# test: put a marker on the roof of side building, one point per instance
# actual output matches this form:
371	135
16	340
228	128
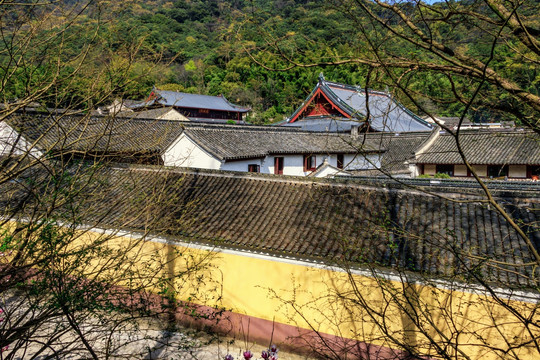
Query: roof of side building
196	101
83	133
239	142
400	149
485	147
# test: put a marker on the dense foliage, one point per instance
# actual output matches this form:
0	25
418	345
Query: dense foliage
235	47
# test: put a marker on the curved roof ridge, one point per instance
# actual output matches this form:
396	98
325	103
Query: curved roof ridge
328	91
175	98
246	128
388	94
234	105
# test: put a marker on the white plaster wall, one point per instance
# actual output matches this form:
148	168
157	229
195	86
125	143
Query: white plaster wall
481	170
460	170
11	143
185	153
360	162
430	169
414	170
330	172
241	165
292	164
517	171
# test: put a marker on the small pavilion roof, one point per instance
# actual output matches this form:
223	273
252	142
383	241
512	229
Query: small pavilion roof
195	101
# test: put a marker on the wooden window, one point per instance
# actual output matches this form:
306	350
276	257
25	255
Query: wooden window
340	161
445	169
278	165
310	162
497	171
254	168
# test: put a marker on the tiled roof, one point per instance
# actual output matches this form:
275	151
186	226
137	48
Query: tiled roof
324	124
71	133
196	101
318	220
238	142
399	148
385	112
151	113
485	147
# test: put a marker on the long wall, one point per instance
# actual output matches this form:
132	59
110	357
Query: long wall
271	297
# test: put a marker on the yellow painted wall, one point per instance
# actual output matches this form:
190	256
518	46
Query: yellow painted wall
317	292
335	302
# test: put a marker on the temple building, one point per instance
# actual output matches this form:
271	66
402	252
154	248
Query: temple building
196	107
338	107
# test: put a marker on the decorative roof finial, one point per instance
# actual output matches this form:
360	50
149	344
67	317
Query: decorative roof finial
321	77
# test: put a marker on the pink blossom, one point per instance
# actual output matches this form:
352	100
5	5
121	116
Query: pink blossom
265	355
248	355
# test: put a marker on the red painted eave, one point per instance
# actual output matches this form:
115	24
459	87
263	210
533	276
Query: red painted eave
310	100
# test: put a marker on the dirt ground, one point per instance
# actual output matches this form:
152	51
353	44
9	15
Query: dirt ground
112	338
189	345
146	341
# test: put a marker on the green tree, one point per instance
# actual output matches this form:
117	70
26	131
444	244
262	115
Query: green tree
69	287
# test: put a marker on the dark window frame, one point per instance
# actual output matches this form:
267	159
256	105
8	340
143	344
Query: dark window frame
254	168
279	164
310	162
340	161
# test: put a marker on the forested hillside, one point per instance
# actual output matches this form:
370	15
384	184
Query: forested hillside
241	49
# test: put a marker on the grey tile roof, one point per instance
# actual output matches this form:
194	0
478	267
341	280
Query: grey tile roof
399	149
324	124
385	112
318	220
80	133
485	147
197	101
148	114
238	142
